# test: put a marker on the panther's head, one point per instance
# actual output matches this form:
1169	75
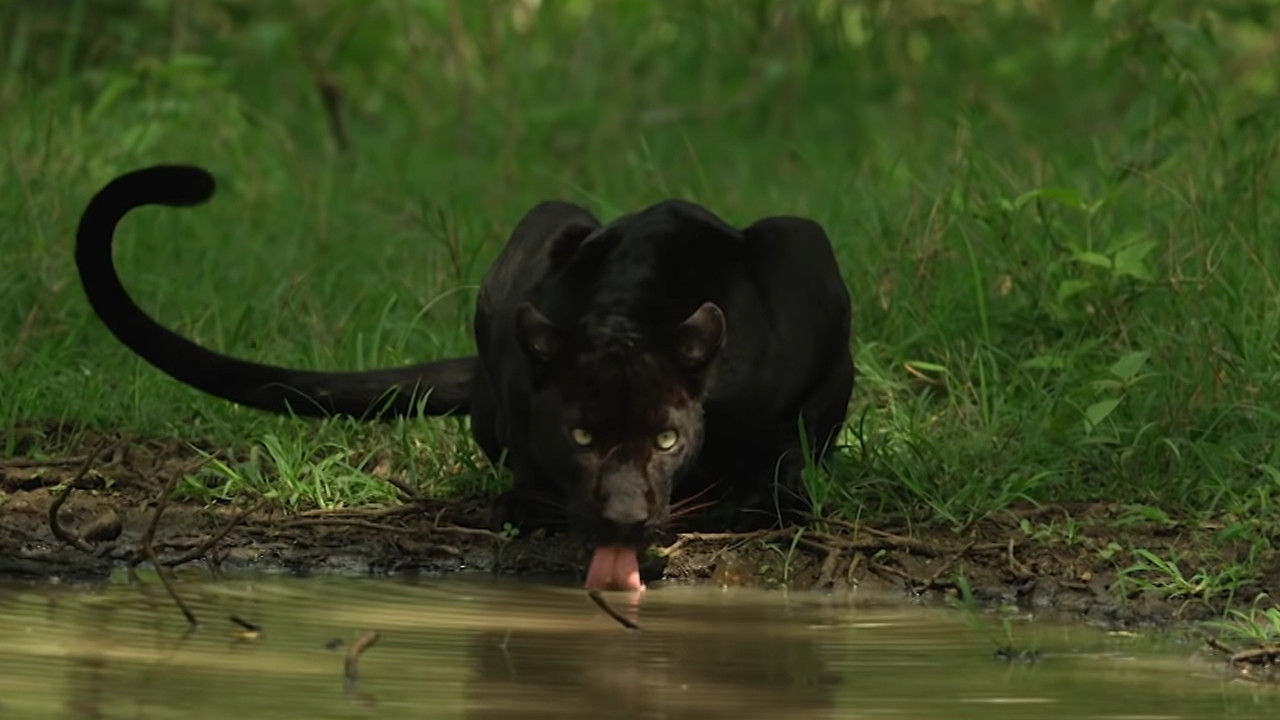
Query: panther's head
616	419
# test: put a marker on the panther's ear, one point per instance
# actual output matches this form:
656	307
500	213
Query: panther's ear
700	337
537	335
567	241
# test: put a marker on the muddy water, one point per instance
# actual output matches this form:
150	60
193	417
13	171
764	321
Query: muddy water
482	647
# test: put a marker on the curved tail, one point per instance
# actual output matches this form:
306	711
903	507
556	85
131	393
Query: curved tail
433	388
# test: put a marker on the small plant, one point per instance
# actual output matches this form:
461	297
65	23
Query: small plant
1255	625
1165	577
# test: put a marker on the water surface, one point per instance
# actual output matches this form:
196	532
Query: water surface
481	647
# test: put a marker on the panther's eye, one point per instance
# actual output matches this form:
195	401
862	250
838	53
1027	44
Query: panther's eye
666	439
580	437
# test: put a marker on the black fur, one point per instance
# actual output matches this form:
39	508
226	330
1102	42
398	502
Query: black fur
666	355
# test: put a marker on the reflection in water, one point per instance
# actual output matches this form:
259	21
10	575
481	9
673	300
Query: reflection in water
480	648
735	665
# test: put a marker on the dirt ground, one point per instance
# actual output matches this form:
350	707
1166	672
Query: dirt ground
113	517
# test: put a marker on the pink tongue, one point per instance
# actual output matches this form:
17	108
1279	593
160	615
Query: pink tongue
614	567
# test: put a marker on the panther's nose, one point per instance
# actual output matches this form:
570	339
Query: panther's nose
625	510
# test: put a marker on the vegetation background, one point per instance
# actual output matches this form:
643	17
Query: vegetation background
1056	219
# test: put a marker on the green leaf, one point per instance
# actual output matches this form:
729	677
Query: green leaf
1051	361
1092	258
1097	412
1129	260
925	366
1071	287
1062	196
1271	471
1130	364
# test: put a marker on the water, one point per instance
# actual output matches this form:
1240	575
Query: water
481	647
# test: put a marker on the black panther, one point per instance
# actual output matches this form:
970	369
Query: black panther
619	367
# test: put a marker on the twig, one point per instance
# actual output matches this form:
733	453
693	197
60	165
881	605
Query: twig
247	630
854	564
671	550
71	538
204	547
350	664
405	489
932	582
827	573
600	602
1256	656
149	550
26	463
887	539
1220	646
349	522
366	513
738	536
459	530
1019	570
881	567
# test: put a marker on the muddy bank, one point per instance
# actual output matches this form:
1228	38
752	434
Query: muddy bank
114	517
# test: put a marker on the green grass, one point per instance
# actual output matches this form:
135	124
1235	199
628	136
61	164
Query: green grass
1057	222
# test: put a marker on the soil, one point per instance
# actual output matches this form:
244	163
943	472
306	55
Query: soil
113	517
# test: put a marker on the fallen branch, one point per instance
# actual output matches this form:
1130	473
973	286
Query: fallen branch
410	494
1264	656
1019	570
901	574
61	533
349	522
204	547
827	573
149	550
459	530
932	582
33	463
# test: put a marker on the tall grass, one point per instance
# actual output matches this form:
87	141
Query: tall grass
1057	219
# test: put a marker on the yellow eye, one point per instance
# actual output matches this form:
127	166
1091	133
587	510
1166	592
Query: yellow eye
580	437
666	439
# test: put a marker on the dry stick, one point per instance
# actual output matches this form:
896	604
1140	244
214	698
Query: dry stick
27	463
149	550
204	547
458	529
1020	571
1220	646
66	536
886	538
1266	656
350	665
365	513
600	602
731	536
950	562
409	492
369	525
827	572
349	522
854	564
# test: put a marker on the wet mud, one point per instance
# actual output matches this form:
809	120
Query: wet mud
111	513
